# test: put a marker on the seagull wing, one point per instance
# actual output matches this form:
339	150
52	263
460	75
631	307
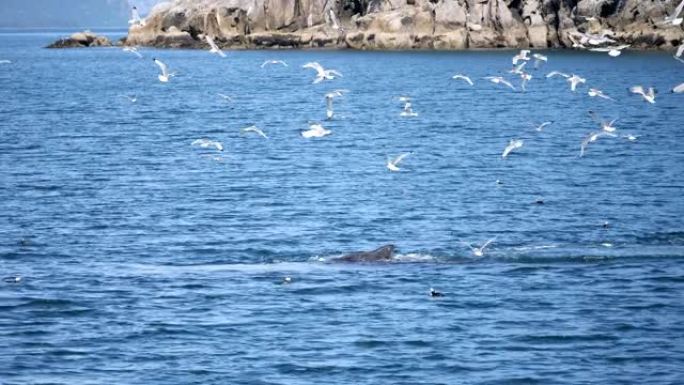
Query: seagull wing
162	66
487	244
508	84
315	66
400	158
680	50
556	73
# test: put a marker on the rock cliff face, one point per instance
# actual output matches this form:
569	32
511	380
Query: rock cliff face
405	24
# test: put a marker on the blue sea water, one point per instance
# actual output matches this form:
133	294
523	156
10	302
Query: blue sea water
145	260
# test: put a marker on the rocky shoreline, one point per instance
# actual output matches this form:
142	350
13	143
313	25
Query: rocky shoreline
81	40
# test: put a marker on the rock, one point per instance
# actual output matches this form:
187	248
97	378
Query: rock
81	40
410	24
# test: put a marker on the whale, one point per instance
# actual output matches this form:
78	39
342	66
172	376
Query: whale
381	254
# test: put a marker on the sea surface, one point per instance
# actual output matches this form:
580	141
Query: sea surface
146	260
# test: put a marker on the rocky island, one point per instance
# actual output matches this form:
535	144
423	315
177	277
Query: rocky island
407	24
81	40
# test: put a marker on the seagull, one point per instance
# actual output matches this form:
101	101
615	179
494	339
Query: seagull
518	69
408	111
404	98
287	280
574	80
333	20
538	58
435	293
224	97
514	144
556	73
206	143
678	89
500	80
254	129
214	48
132	99
321	73
648	96
392	164
575	43
674	17
540	127
329	102
273	62
525	78
133	50
630	137
463	77
612	51
315	131
479	251
605	126
592	137
521	56
12	279
136	20
165	75
593	92
680	50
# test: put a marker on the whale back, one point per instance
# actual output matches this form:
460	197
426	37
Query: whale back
381	254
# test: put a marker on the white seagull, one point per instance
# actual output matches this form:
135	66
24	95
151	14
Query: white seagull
165	75
462	77
329	102
224	97
254	129
408	111
315	131
525	78
500	80
605	125
593	92
678	89
136	20
521	56
674	18
392	164
214	48
514	144
612	51
648	96
556	73
479	251
574	80
518	69
130	98
538	58
592	137
133	50
321	73
206	143
540	127
267	62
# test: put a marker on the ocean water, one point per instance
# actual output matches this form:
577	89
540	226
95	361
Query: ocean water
146	260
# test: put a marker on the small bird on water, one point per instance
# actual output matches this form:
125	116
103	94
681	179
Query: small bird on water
435	293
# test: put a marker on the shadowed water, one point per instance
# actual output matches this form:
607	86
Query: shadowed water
147	260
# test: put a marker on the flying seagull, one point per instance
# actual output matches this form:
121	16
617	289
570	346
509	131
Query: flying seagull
500	80
329	102
593	92
321	73
316	131
514	144
648	96
479	251
592	137
133	50
267	62
136	20
255	130
463	77
206	143
214	48
392	164
165	75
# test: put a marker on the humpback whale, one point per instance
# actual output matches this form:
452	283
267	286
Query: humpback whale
382	254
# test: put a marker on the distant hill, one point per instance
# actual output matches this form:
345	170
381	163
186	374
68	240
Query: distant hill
75	14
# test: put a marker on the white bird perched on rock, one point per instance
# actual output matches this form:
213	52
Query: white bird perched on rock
214	48
329	102
479	251
267	62
523	55
462	77
500	80
255	130
678	89
574	80
133	50
321	73
408	110
556	73
538	58
316	131
540	127
648	96
206	143
392	164
514	144
136	20
593	92
165	75
592	137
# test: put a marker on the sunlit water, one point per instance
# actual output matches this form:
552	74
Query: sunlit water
146	260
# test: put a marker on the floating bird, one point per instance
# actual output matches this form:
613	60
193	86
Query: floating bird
130	98
408	110
435	293
329	102
165	75
538	58
214	48
321	73
574	80
592	137
630	137
267	62
136	20
463	77
556	73
521	56
287	280
13	279
479	251
593	92
540	127
678	89
206	143
392	164
316	131
513	144
500	80
224	97
255	130
648	96
133	50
